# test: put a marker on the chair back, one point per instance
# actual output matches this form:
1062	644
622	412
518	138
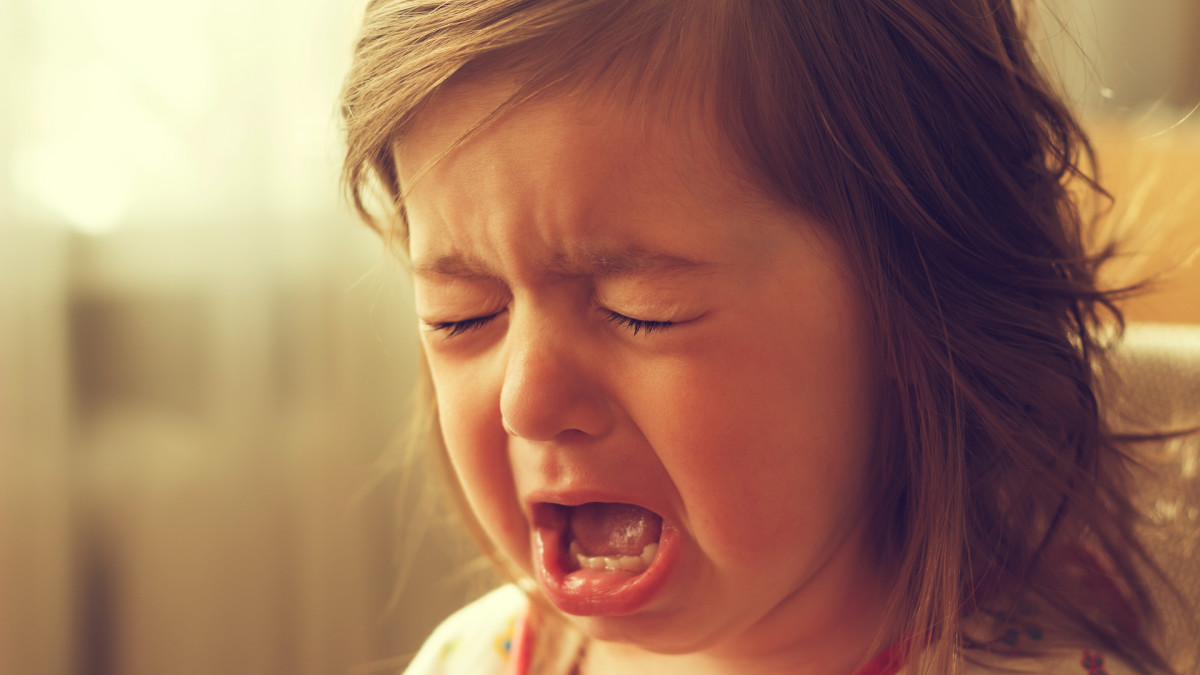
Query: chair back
1157	388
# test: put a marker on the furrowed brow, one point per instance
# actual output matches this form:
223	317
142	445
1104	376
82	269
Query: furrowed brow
453	265
593	263
623	262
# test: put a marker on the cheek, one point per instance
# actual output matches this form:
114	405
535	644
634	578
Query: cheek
469	421
463	413
768	442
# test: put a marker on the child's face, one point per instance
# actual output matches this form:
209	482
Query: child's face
746	425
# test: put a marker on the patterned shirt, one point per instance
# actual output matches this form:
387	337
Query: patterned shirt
490	637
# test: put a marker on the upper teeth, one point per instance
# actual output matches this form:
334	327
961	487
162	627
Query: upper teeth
612	563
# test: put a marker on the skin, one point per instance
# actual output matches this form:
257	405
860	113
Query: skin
748	424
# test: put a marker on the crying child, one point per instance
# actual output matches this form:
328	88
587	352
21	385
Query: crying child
760	335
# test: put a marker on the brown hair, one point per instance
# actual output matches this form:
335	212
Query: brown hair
924	137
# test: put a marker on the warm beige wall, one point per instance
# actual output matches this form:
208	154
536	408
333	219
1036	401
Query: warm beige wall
1153	173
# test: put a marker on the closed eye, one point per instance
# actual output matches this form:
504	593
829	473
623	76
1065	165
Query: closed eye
637	325
454	328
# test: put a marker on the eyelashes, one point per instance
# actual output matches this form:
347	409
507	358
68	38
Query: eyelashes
635	326
454	328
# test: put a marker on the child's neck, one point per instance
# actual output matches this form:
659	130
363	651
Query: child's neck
826	628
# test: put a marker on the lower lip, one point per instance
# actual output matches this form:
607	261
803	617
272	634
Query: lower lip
600	592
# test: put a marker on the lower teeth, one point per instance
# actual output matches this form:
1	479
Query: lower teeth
613	563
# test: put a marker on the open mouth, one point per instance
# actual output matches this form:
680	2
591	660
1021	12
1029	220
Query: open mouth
611	536
600	557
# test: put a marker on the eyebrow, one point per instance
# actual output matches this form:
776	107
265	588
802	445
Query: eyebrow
596	263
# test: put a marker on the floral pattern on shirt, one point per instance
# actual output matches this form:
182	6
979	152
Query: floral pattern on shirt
480	640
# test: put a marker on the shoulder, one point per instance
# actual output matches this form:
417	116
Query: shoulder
475	640
1054	662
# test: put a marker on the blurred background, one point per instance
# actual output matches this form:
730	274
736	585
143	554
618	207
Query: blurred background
205	361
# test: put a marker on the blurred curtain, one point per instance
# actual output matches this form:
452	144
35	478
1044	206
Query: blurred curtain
202	355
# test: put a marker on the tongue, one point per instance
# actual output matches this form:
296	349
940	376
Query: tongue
603	528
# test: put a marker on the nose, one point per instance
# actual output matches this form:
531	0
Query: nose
549	390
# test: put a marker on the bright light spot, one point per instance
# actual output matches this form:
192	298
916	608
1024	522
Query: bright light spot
51	174
151	113
99	145
162	46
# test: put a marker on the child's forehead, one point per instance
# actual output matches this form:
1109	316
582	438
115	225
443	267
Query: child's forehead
602	121
573	162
